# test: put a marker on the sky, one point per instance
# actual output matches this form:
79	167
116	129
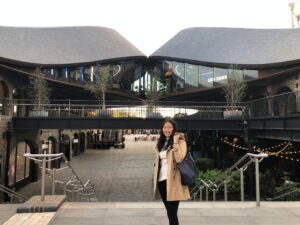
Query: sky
147	24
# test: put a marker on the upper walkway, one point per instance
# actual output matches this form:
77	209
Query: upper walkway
276	117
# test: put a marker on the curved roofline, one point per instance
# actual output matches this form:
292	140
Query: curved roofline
15	62
222	46
227	65
64	45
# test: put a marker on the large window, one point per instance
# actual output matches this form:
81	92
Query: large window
178	78
117	75
75	73
168	76
191	75
18	164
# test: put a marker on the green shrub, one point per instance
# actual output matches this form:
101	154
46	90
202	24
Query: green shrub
289	191
204	164
267	183
218	176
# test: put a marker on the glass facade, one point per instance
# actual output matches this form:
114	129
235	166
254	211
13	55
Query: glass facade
166	76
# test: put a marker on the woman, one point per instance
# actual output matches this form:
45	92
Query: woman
171	146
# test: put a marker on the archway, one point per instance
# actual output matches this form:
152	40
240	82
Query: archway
21	169
75	144
65	146
82	142
4	94
52	143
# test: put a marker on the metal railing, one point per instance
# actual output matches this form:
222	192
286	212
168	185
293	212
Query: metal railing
118	109
12	194
240	166
288	191
286	104
74	187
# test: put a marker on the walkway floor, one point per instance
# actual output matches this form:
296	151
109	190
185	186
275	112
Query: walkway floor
153	213
122	175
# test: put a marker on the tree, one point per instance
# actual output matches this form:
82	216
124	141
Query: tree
235	89
38	90
99	87
152	95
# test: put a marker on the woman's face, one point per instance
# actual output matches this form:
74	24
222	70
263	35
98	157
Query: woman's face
168	129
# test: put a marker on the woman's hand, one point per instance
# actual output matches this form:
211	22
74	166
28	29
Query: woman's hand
176	139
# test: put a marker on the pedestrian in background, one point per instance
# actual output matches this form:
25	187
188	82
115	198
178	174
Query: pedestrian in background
171	146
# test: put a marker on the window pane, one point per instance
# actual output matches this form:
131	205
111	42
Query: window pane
237	74
168	71
178	76
75	73
20	172
220	76
205	76
191	76
116	75
27	161
12	169
250	74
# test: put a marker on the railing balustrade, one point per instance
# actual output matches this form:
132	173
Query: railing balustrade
286	104
73	186
240	166
118	109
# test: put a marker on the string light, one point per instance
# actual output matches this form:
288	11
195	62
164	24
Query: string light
281	153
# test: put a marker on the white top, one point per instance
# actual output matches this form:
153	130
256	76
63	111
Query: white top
163	166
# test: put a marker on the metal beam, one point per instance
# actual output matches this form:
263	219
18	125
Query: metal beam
122	123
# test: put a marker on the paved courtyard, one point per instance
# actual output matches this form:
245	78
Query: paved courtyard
123	182
119	175
122	175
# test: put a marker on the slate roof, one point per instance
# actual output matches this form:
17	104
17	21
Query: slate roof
63	45
239	46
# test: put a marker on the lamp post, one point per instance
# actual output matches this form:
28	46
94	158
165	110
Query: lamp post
294	13
292	7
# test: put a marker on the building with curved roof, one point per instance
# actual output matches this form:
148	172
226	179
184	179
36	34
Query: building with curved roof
64	45
194	65
250	48
196	60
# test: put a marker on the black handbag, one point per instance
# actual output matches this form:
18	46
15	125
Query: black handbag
188	170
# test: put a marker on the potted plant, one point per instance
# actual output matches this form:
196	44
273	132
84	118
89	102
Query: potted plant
99	88
234	92
152	95
39	91
151	98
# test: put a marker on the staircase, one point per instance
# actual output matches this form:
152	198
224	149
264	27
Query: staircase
65	178
73	187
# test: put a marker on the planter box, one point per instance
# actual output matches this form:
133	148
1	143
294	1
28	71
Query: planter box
104	113
39	113
153	115
233	114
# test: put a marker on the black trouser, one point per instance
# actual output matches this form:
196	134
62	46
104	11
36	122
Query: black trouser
171	206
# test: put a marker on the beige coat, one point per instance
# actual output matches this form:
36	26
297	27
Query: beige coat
175	191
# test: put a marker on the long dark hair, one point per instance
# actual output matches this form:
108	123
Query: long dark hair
162	138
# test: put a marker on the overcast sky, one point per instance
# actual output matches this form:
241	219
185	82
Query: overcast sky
147	24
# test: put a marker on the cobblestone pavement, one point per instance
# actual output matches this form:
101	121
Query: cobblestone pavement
122	175
119	174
